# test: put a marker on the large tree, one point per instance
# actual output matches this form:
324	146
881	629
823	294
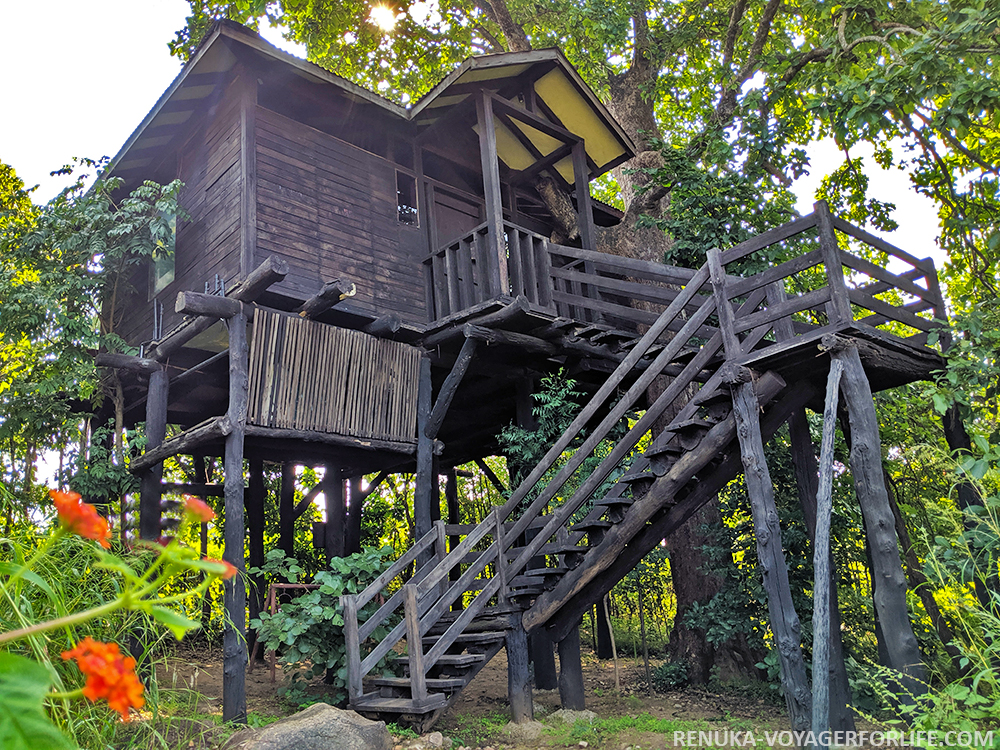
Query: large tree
723	99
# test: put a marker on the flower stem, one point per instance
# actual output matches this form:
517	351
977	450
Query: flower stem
74	619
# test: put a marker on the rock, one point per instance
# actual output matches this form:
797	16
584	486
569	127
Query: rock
571	717
529	731
538	709
319	727
434	739
583	743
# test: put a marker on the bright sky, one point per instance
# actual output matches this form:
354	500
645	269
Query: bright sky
80	76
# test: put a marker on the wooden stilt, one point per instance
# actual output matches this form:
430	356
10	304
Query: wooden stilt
887	570
255	524
806	476
518	674
234	646
333	490
286	510
352	539
571	693
450	387
156	431
423	493
543	660
201	476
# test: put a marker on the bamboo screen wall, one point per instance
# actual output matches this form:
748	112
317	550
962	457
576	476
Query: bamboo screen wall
311	376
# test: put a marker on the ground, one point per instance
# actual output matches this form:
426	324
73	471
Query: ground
634	716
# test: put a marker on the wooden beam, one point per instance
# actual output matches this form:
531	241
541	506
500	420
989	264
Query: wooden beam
212	305
384	326
522	341
156	430
333	491
525	175
286	514
423	491
333	293
198	489
512	310
494	479
585	212
450	387
887	569
271	271
255	522
117	361
330	438
496	249
210	429
234	646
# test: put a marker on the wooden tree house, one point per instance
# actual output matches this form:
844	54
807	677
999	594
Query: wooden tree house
375	289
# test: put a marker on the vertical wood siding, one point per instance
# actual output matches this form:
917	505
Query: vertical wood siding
306	375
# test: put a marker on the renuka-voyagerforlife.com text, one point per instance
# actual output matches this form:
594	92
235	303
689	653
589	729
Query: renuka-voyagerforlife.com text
787	738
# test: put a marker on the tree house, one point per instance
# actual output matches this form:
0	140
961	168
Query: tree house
376	288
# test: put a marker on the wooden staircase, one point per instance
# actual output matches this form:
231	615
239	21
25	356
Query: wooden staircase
546	555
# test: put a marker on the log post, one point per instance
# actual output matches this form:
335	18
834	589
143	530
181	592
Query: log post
543	660
496	248
201	476
156	431
356	497
286	510
887	570
255	524
781	609
581	173
414	645
806	476
450	387
234	646
518	672
333	491
423	494
571	693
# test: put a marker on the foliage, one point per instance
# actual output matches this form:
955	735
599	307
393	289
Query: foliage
308	632
670	675
57	585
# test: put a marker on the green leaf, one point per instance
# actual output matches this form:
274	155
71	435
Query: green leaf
178	623
24	725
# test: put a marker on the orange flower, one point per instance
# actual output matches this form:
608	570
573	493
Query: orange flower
197	508
230	569
109	675
80	518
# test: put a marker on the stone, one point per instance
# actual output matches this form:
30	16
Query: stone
583	743
528	731
435	739
319	727
571	717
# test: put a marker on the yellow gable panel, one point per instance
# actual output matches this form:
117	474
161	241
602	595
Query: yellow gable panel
510	150
545	143
565	168
488	74
578	117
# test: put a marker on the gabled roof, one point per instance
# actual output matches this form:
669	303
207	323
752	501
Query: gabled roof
564	98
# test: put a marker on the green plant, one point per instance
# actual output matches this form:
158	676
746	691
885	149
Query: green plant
308	632
401	732
478	730
670	675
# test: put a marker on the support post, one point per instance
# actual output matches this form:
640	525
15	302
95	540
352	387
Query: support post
571	693
781	609
156	431
806	476
255	522
886	567
496	247
450	387
201	476
286	510
543	660
234	646
414	646
248	170
352	536
518	673
423	494
585	219
333	491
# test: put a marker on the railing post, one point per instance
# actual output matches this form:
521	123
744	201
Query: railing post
727	318
838	309
414	646
545	280
501	558
353	645
440	552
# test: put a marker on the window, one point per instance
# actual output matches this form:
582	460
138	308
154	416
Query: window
161	270
406	199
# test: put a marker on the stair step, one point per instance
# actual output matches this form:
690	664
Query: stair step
713	397
376	703
451	660
527	591
673	448
594	523
638	476
545	572
615	502
612	336
440	683
471	639
690	424
523	581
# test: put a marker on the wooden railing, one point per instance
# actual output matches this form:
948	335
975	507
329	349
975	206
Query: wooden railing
828	286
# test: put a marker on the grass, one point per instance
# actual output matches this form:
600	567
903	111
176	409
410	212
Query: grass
477	730
602	732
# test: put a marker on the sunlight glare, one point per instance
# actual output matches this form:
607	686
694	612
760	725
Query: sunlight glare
384	17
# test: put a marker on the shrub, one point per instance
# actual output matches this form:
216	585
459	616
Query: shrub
670	675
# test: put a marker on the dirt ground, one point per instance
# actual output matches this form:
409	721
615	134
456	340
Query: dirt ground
479	712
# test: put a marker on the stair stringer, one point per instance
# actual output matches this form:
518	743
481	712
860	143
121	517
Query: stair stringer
669	502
